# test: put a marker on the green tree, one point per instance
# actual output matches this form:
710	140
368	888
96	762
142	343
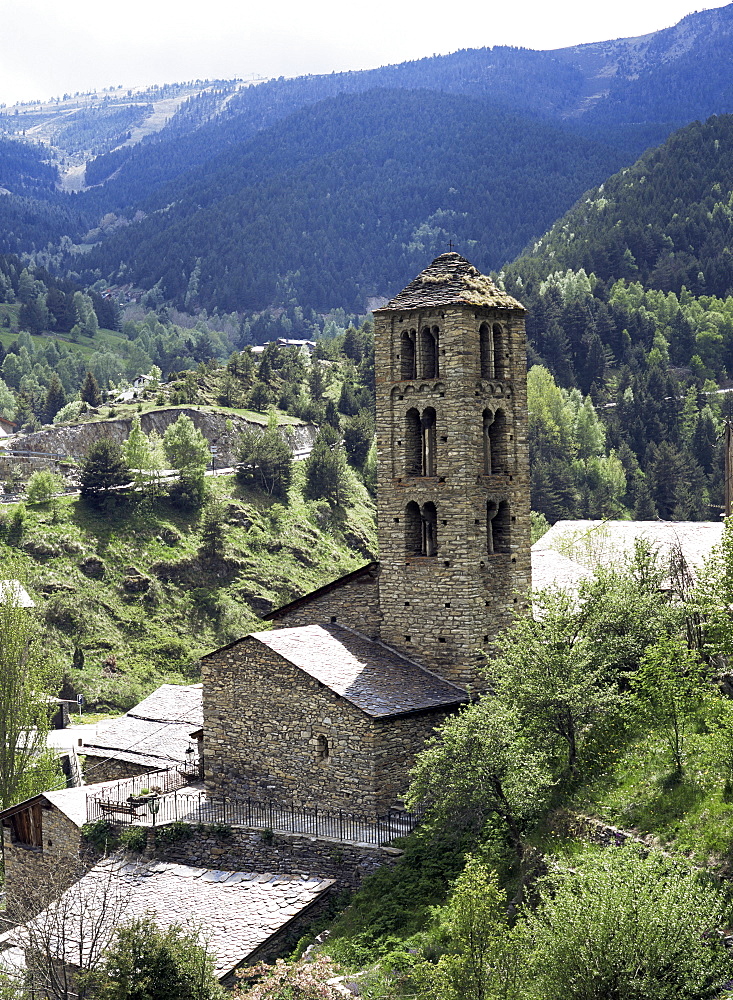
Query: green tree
55	400
90	391
325	469
147	962
186	448
28	674
481	764
628	926
671	685
102	470
213	530
7	400
43	485
139	455
486	957
547	669
265	459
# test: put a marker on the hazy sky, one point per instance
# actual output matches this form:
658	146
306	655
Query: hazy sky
51	47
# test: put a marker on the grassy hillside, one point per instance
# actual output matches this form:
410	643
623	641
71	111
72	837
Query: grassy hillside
131	585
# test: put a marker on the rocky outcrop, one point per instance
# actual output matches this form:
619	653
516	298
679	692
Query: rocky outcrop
219	428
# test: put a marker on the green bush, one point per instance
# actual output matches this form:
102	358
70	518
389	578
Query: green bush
134	838
42	486
173	832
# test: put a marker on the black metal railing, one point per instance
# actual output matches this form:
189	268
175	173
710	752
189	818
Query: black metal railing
154	809
158	782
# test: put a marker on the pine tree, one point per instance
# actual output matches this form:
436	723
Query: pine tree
55	399
90	391
102	470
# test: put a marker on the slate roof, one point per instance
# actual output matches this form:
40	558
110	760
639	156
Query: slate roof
367	673
155	733
367	572
451	280
610	543
236	912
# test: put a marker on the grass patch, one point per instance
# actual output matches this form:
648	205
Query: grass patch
134	640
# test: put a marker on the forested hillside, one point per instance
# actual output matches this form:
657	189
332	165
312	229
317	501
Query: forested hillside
629	300
364	190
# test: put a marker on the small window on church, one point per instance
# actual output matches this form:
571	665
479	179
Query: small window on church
322	748
486	347
413	443
408	354
427	434
498	341
429	352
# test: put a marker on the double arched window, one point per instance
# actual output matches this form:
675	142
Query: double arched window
421	529
493	351
419	356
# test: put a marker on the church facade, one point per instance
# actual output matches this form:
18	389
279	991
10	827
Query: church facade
332	705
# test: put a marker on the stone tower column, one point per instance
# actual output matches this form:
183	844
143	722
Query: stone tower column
453	466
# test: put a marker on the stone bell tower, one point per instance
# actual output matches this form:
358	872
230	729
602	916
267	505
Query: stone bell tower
453	466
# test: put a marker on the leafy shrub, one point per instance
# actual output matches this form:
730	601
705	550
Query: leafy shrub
100	834
222	831
133	838
173	832
42	486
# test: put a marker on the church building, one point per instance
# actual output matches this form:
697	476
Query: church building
331	706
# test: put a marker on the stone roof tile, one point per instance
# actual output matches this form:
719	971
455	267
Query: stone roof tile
369	674
235	918
451	280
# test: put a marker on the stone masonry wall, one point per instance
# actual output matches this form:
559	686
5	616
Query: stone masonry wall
263	719
280	854
354	604
96	769
30	872
443	609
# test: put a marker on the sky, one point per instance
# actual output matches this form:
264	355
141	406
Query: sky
50	48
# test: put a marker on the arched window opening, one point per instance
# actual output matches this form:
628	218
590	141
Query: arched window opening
427	428
499	444
486	347
488	419
322	748
408	354
429	530
429	352
499	345
413	446
498	535
413	529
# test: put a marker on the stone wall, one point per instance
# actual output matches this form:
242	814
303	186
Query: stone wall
102	768
354	603
33	875
443	609
278	853
265	721
75	439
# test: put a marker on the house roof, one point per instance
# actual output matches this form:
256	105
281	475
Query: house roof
369	570
155	733
236	912
593	544
451	280
367	673
552	569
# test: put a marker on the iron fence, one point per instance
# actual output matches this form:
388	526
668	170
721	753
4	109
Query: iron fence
153	809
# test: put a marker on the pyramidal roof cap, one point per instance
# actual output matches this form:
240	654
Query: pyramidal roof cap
449	280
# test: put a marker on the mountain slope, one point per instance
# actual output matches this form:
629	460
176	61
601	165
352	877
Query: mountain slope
362	189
